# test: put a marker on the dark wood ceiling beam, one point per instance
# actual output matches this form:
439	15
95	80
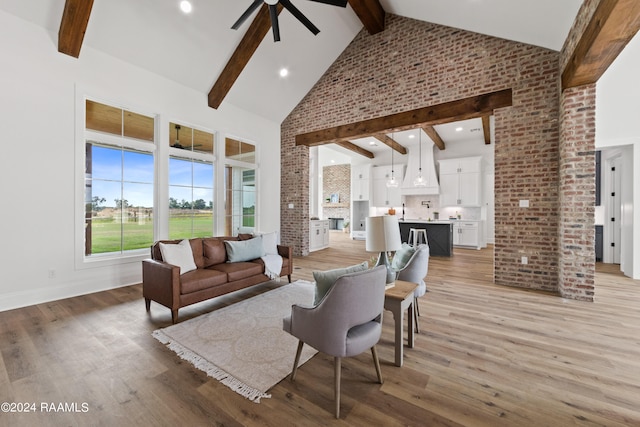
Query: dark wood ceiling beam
613	25
390	142
353	147
433	134
370	13
258	29
463	109
486	129
75	19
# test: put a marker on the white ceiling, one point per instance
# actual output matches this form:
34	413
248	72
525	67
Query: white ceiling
193	49
465	131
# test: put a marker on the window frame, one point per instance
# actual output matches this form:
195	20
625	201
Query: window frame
84	135
190	155
230	162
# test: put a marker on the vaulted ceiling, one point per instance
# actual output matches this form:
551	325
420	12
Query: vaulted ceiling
200	49
193	49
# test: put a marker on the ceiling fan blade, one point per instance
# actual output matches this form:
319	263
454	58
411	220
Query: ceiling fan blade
341	3
246	14
295	12
273	11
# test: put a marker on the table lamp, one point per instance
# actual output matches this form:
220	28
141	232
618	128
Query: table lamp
383	235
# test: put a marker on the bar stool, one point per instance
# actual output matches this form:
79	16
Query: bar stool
417	236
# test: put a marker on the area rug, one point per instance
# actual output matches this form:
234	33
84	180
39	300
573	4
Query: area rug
243	345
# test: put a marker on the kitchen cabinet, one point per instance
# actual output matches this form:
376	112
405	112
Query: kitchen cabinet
383	196
461	182
318	235
467	233
360	182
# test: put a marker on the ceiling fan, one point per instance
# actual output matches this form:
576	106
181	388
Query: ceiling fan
273	12
177	144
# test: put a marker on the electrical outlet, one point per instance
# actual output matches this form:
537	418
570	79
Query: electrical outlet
52	274
524	260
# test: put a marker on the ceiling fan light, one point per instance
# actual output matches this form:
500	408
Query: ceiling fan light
185	6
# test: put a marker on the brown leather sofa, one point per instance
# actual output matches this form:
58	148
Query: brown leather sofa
214	276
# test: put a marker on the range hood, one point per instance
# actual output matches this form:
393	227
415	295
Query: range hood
428	171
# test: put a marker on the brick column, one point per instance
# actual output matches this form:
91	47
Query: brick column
576	232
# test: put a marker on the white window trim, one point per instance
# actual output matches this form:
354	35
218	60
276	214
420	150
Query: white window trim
82	262
224	162
165	152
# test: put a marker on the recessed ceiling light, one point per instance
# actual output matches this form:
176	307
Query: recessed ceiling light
284	72
412	136
459	129
185	6
373	143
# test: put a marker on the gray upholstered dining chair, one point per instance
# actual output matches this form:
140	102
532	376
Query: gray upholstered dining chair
415	270
345	323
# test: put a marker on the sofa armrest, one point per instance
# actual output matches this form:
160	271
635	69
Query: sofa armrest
161	283
286	252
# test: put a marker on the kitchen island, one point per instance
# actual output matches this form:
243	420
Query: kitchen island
439	235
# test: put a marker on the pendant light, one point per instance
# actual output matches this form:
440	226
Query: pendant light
391	182
420	181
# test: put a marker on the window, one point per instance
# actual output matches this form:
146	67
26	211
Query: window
240	187
119	180
191	178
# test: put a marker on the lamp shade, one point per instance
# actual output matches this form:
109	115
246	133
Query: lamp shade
383	234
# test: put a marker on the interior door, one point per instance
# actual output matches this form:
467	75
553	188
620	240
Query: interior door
614	209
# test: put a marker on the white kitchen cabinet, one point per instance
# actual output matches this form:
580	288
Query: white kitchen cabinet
467	233
383	196
318	234
461	182
360	182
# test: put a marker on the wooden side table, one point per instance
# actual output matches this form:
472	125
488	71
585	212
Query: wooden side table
398	299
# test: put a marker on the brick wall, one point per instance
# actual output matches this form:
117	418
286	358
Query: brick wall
577	176
413	64
336	179
577	193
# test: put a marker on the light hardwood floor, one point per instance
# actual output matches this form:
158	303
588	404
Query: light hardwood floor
486	356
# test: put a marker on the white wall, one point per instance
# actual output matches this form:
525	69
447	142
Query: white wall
38	162
617	114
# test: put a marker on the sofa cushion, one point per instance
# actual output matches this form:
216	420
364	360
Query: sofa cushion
326	279
269	242
198	252
179	254
215	251
199	279
244	250
238	270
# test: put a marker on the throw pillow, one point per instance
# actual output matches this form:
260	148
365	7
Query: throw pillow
244	250
269	242
402	256
178	254
326	279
